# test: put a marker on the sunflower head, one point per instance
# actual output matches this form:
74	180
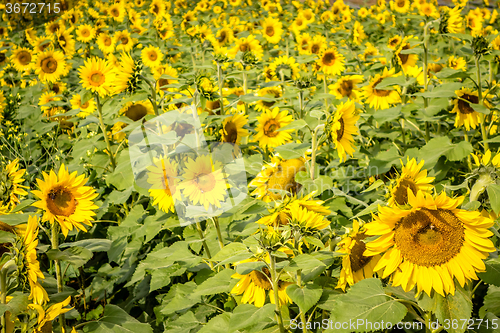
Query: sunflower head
480	45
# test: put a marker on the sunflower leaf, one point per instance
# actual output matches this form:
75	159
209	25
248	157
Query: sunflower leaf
305	297
492	274
115	319
249	318
455	308
231	253
494	195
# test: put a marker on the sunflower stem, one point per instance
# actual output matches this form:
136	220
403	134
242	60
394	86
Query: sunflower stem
205	246
301	103
325	87
490	71
469	162
426	101
103	129
402	124
274	283
480	102
427	318
245	89
302	314
3	297
314	148
55	246
221	84
153	95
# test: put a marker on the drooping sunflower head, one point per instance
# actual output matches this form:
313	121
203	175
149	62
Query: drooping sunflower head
232	128
430	244
412	178
269	124
463	106
340	128
136	110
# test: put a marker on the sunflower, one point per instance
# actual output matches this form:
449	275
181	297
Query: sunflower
225	36
66	200
3	104
272	29
457	63
401	6
331	62
270	122
248	44
123	41
318	44
232	128
405	60
86	108
355	266
285	66
11	179
381	98
66	42
298	24
346	87
98	76
341	126
164	70
157	8
85	33
466	115
134	111
127	75
430	244
255	284
43	43
486	159
162	176
273	92
117	12
45	317
50	65
452	20
203	182
394	42
412	177
279	175
358	33
105	43
21	59
303	43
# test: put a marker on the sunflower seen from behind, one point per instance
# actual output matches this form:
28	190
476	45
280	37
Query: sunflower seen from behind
65	199
269	123
431	244
412	178
341	126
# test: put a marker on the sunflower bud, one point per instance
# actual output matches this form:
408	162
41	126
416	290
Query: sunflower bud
443	23
249	58
271	240
303	82
480	46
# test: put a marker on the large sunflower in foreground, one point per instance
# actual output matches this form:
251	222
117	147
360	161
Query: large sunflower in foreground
331	62
380	99
430	244
412	177
163	179
203	182
97	75
341	126
50	66
355	266
463	107
279	175
255	284
66	200
269	124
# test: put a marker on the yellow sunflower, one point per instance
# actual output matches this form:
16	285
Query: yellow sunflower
277	176
224	36
341	126
331	62
303	43
358	33
66	200
127	75
355	266
285	66
86	108
346	87
394	42
463	107
457	63
412	177
97	75
164	182
454	20
164	70
248	44
203	182
405	60
43	43
273	92
430	244
270	122
381	98
105	43
134	111
401	6
318	44
11	185
45	317
85	33
151	56
486	159
232	128
50	65
272	29
123	41
21	59
255	284
117	12
66	42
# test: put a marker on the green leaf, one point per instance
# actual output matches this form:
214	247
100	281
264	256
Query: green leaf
454	307
179	298
222	282
391	81
160	277
247	267
116	320
296	124
459	151
94	245
231	253
492	274
7	237
366	302
123	177
445	90
292	150
304	262
484	181
390	114
18	303
217	324
14	219
480	108
494	196
248	318
250	98
22	205
434	149
77	256
492	300
376	184
305	297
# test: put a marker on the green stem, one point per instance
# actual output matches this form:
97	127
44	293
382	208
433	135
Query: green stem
315	148
402	124
427	318
302	314
215	219
153	96
301	104
57	264
103	129
274	284
490	69
425	65
205	246
325	87
3	297
484	133
469	161
245	88
221	84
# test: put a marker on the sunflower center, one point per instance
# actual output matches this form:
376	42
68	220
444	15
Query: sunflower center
260	279
156	10
270	31
2	57
206	182
401	195
230	132
124	40
400	3
270	128
49	65
340	131
61	201
85	33
115	12
162	82
329	59
465	107
153	56
402	56
107	41
429	237
97	79
346	88
244	47
379	92
222	37
315	48
284	177
24	57
136	112
358	260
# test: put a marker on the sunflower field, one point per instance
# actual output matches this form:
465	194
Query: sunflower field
249	166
